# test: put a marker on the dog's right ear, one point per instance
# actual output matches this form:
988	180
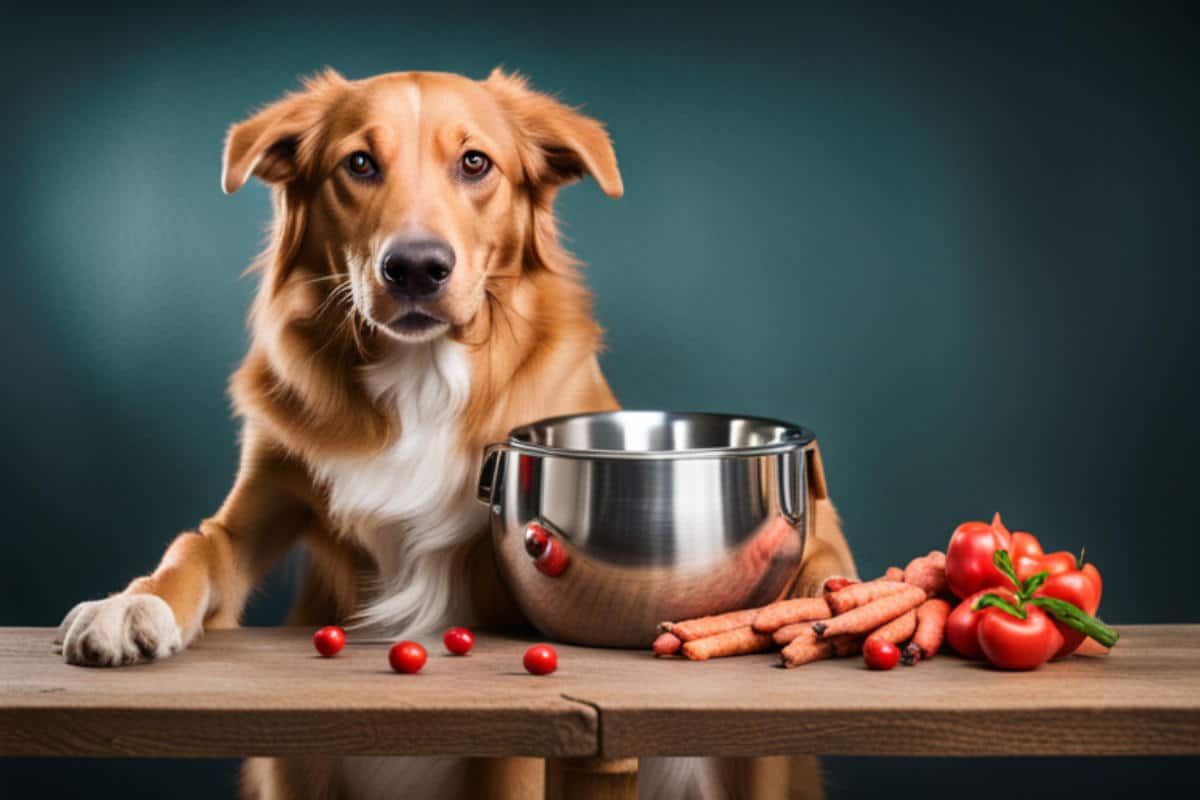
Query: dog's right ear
269	144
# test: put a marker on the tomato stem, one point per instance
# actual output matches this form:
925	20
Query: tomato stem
996	601
1073	616
1003	562
1031	585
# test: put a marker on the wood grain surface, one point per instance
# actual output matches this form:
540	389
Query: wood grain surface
1143	698
264	691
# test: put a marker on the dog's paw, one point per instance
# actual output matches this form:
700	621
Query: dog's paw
123	629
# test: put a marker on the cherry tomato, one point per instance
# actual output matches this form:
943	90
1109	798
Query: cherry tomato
407	657
880	654
329	641
962	626
1013	643
837	584
458	641
541	659
969	566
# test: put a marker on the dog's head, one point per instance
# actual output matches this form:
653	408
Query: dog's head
412	191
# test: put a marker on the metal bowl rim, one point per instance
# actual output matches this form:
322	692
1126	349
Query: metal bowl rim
796	436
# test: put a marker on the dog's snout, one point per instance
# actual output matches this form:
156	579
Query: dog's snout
417	269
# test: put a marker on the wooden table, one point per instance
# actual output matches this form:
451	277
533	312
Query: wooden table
265	692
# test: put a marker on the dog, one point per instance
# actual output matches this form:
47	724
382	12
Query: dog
415	303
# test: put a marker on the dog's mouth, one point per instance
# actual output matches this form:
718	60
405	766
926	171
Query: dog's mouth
415	323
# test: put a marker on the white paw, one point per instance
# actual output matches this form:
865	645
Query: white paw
123	629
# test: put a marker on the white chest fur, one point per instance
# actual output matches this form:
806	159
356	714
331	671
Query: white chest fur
412	506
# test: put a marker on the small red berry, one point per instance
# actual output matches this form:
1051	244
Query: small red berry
541	659
458	641
407	657
329	641
880	654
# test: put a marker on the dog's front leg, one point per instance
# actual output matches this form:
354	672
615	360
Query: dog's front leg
205	575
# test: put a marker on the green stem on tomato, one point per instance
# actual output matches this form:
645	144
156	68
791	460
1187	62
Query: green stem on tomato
1003	562
996	601
1071	615
1032	584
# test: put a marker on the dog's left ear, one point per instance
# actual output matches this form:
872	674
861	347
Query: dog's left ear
268	144
559	144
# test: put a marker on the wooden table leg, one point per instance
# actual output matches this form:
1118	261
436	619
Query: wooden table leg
507	778
591	779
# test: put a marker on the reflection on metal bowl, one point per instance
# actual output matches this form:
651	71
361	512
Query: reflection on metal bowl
606	524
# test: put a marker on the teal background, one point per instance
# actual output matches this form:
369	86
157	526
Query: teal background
961	245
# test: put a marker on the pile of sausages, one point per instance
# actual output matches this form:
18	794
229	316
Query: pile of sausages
902	607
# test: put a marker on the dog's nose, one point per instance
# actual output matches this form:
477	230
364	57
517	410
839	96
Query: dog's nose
417	269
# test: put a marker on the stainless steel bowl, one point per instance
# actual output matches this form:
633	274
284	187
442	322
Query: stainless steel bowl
606	524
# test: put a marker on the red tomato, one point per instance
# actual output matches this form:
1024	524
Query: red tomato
458	641
962	626
969	566
1093	573
541	659
1013	643
1000	527
1023	545
1077	587
407	657
1054	563
329	641
880	654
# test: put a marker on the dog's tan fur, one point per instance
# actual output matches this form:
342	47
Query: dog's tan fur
515	305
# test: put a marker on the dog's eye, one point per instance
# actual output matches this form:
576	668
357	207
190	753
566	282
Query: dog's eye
475	164
361	165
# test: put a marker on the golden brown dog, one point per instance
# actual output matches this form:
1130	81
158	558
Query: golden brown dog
415	304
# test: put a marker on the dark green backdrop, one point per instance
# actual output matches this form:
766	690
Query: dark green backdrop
960	246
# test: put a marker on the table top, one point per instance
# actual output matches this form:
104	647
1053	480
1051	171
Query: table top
264	691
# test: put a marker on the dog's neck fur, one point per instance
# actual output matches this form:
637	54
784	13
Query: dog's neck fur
411	504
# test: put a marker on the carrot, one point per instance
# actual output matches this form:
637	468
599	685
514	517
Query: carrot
785	612
788	633
861	593
700	627
928	572
898	630
802	651
736	642
667	644
870	616
931	629
847	645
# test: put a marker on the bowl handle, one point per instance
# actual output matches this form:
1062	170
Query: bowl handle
491	473
793	495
